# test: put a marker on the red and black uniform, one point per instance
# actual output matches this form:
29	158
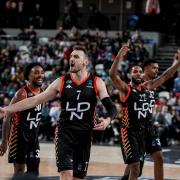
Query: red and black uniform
152	140
23	141
77	119
137	107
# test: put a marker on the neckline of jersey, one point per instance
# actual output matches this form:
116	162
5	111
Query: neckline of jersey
33	92
78	83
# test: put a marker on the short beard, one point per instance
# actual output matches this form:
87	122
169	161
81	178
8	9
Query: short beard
136	82
36	84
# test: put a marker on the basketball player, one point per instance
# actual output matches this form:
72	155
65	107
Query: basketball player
153	144
23	140
78	91
137	103
152	141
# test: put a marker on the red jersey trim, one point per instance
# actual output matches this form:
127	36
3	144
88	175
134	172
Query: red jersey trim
32	90
138	88
78	83
95	86
25	92
125	98
62	84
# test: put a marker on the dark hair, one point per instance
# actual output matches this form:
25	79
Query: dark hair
148	62
29	68
133	65
81	48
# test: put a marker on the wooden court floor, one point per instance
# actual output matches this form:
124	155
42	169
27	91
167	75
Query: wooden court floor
105	161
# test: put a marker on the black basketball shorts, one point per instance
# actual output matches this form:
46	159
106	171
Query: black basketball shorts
132	145
73	150
23	145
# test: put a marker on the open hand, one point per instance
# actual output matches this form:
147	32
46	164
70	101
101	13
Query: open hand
3	148
102	124
2	112
123	51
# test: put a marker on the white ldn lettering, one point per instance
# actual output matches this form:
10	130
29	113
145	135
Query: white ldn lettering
79	111
142	111
68	108
83	103
35	120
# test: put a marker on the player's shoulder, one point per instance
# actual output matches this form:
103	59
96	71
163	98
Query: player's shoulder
97	78
21	93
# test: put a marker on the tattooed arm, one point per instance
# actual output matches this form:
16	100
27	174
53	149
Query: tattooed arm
116	79
165	76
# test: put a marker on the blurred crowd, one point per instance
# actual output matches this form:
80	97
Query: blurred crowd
53	53
21	14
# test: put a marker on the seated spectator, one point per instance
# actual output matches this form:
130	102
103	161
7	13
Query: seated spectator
61	35
175	126
23	35
172	99
176	87
137	37
87	35
55	112
162	124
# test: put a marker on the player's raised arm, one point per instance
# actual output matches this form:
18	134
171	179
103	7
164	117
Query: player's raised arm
116	79
165	75
28	103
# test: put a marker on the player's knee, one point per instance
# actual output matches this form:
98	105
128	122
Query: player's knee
135	169
33	166
80	170
135	173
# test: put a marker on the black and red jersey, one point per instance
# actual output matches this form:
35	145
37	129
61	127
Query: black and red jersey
28	119
78	102
137	107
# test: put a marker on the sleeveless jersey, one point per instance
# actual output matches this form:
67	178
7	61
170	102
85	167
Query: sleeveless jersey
78	102
137	108
28	120
155	97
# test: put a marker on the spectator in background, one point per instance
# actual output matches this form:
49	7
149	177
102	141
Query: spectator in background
137	37
97	19
175	127
55	112
177	29
6	101
21	20
176	87
71	15
73	12
61	34
67	21
162	124
37	18
23	34
11	13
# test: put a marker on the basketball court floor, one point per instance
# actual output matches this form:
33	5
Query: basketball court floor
106	163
